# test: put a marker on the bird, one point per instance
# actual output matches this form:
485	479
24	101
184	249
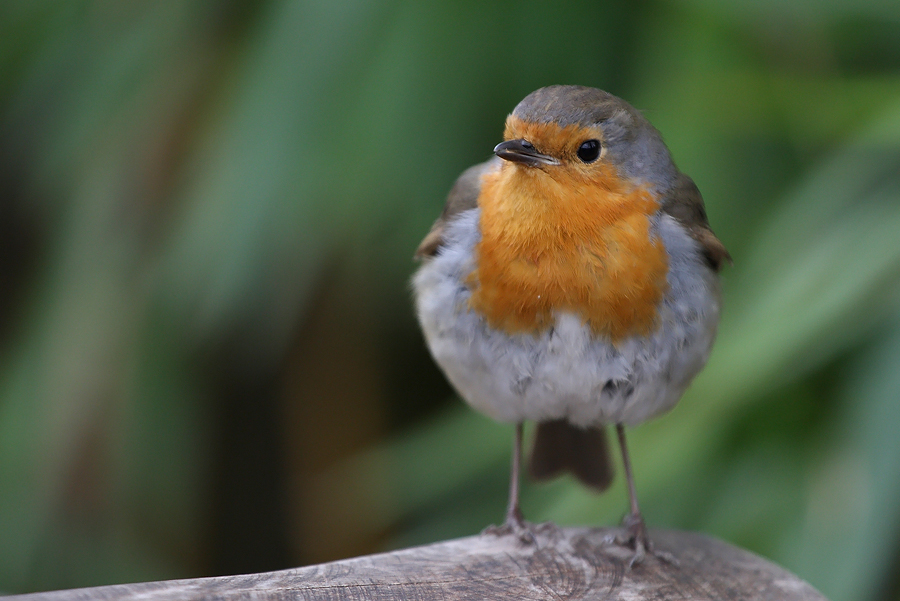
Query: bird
572	280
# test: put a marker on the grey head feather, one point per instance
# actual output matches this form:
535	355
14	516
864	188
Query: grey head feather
634	146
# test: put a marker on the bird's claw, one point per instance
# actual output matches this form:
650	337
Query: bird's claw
638	539
514	525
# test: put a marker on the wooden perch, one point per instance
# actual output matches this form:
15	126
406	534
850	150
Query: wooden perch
567	563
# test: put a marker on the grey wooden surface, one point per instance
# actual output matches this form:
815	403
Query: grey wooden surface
569	563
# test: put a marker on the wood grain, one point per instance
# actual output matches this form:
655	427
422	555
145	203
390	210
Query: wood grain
569	563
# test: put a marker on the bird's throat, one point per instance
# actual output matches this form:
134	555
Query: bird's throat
562	243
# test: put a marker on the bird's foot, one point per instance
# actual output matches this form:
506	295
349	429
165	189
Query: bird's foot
515	525
638	539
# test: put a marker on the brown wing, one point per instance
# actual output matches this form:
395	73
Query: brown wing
685	204
463	196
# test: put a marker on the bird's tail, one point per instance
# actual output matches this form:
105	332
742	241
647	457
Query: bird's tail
559	446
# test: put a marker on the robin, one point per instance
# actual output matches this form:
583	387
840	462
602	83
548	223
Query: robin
572	280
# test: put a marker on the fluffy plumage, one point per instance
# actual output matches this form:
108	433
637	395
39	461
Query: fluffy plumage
572	292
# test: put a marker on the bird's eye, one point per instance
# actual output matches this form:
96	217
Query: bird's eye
589	151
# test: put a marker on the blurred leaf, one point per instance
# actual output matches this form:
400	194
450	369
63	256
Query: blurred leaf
851	524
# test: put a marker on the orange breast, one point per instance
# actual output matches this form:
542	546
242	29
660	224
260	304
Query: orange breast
562	242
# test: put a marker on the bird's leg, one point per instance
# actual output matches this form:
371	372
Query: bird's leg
515	523
514	517
638	537
634	521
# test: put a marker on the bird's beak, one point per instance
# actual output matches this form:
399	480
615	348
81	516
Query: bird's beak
523	152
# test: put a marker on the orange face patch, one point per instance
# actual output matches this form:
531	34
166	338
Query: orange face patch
571	237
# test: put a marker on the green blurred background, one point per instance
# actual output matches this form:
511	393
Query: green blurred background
209	362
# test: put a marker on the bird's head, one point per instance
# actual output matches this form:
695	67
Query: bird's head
585	136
